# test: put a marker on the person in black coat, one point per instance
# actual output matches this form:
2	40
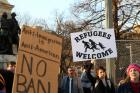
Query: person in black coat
86	83
2	84
8	77
101	84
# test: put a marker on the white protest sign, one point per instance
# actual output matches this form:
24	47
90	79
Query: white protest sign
95	44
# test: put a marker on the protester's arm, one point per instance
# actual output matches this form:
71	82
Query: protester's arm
90	77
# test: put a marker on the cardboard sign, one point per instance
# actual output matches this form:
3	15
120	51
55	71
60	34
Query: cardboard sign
38	62
95	44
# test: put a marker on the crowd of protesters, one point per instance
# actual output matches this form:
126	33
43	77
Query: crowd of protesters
99	82
88	82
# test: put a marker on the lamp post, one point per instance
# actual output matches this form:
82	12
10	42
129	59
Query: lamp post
109	24
130	52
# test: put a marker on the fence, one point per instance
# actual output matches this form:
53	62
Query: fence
128	52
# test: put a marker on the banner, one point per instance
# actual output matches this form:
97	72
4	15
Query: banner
38	62
95	44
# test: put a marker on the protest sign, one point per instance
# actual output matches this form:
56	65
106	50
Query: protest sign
38	62
95	44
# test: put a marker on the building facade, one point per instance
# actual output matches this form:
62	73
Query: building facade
5	6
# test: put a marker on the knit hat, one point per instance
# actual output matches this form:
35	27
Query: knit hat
135	66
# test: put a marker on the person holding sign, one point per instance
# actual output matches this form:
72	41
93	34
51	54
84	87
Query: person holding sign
101	84
86	83
132	84
71	83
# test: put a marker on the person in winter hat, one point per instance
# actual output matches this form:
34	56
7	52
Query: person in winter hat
132	82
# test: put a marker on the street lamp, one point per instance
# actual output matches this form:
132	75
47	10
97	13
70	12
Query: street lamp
109	24
130	52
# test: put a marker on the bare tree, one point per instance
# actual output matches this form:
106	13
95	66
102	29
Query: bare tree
63	29
91	14
126	14
41	22
26	19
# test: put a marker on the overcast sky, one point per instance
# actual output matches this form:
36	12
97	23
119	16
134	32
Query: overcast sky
45	9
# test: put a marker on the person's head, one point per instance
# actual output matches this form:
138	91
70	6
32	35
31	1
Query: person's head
4	15
13	14
133	71
101	72
11	66
71	72
86	66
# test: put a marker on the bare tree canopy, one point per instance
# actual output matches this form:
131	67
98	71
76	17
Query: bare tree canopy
63	29
91	13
